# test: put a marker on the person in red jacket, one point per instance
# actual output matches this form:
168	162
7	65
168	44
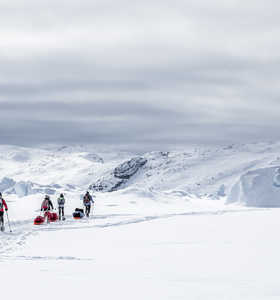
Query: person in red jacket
2	205
46	204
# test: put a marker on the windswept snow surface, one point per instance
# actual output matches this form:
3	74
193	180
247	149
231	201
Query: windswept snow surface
258	188
167	234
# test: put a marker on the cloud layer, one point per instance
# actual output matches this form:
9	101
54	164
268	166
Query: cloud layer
151	74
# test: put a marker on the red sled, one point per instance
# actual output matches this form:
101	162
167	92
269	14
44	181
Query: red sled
52	216
39	220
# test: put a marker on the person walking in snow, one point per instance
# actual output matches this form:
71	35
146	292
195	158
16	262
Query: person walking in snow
2	205
47	204
87	200
60	203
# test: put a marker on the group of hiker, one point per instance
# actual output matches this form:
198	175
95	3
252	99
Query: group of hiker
47	206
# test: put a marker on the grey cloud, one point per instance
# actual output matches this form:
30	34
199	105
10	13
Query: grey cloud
131	126
151	73
89	109
126	126
46	87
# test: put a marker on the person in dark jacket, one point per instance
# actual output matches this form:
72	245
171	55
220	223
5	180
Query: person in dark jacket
87	200
47	204
2	205
60	203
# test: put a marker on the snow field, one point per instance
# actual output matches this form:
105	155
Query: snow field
222	256
164	236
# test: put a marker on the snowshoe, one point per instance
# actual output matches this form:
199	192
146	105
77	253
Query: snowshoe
63	219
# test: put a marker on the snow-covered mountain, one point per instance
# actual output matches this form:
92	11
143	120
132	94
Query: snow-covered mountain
204	172
59	168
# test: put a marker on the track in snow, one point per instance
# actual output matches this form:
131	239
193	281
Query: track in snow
22	230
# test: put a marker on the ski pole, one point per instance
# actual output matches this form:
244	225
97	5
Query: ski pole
8	221
92	210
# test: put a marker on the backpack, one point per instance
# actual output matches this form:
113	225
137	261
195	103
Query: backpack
1	203
86	199
61	201
45	204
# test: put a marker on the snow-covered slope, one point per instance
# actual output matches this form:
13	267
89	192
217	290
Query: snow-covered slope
200	171
168	230
257	188
57	168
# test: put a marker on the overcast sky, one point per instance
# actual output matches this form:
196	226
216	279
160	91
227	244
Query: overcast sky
139	74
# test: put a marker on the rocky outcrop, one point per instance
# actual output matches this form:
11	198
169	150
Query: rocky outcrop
129	168
107	185
120	175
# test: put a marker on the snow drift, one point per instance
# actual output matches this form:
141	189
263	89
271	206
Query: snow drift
25	188
258	188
